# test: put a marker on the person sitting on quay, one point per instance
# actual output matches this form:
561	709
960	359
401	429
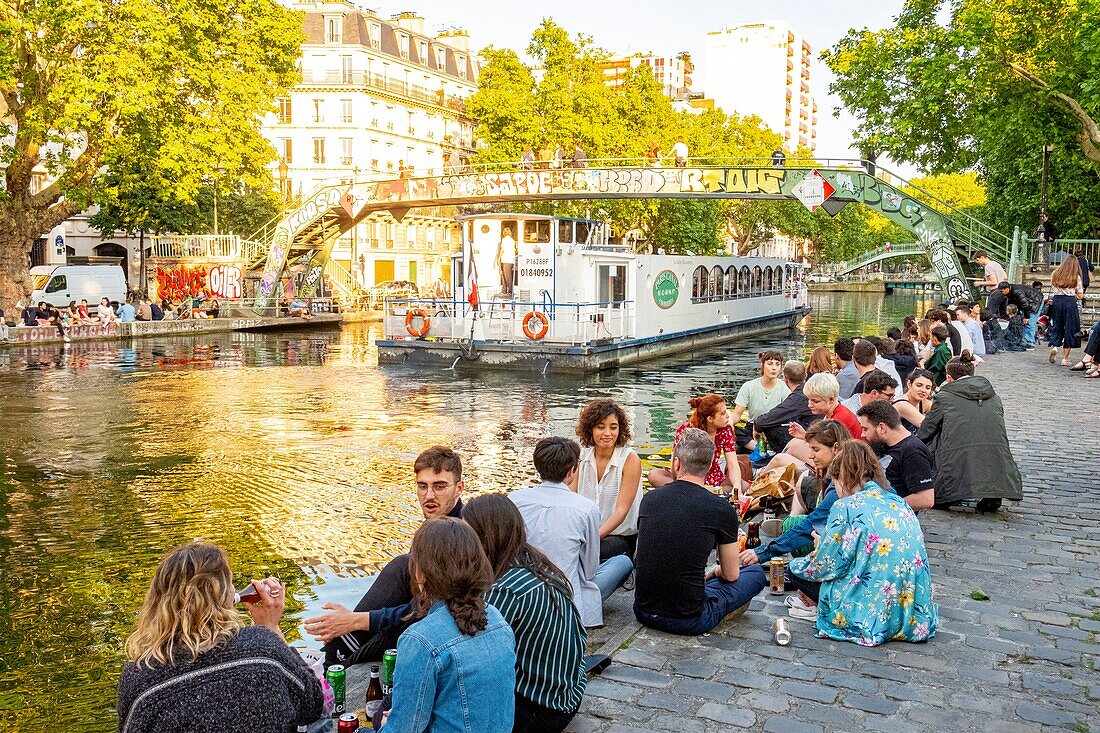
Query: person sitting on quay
709	413
811	504
965	430
903	359
936	364
679	525
972	327
866	357
821	360
874	386
457	662
610	475
566	528
347	635
1088	363
534	597
191	665
923	343
144	310
28	316
966	343
3	327
910	467
126	312
917	400
869	573
954	339
846	373
1015	337
992	333
822	392
795	408
156	313
757	396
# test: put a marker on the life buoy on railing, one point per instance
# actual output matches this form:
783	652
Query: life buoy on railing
426	323
544	325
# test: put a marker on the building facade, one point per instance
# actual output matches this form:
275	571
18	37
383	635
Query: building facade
763	69
376	95
673	73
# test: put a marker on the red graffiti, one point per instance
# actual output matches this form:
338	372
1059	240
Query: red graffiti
183	281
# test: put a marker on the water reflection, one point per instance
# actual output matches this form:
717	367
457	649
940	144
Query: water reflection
110	454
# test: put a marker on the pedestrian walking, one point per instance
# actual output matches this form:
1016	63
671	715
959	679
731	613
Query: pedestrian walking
580	158
680	152
527	159
1065	318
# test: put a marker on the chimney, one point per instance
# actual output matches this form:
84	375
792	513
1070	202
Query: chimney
456	38
411	22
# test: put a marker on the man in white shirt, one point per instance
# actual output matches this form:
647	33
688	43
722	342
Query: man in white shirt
680	152
506	260
994	272
565	527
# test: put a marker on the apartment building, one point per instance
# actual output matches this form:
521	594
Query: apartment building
763	69
673	73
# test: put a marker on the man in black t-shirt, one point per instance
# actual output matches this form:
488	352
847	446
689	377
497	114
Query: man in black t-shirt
910	467
679	525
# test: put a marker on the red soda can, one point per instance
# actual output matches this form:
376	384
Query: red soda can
348	723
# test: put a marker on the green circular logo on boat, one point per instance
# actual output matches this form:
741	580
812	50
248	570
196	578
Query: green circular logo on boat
666	289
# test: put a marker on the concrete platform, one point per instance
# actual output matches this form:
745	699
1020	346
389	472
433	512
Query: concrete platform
544	357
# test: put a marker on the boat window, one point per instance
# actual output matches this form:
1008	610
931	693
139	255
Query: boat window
56	284
779	271
757	280
565	232
769	281
611	285
699	283
743	281
536	232
717	288
731	282
584	230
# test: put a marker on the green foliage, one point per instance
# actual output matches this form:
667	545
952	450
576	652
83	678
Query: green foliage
984	91
689	225
171	91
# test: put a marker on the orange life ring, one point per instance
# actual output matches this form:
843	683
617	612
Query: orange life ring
424	327
542	319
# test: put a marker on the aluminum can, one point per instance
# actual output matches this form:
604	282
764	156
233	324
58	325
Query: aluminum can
348	723
389	663
776	574
337	679
782	632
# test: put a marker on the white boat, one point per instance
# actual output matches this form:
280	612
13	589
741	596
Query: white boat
578	302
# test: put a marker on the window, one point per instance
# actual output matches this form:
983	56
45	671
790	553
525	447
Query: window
375	35
318	150
345	151
333	29
743	279
699	284
779	272
583	231
318	110
346	69
422	51
286	150
536	232
611	284
56	284
757	280
731	282
717	289
768	279
412	123
440	58
461	62
345	111
403	45
286	115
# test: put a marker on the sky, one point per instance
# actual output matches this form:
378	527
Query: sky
667	28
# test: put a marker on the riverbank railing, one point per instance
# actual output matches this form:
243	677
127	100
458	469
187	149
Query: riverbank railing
574	324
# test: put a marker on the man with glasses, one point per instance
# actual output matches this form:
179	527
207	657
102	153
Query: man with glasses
877	385
347	635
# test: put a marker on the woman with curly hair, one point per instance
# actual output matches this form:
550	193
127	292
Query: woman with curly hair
191	664
610	474
458	661
708	413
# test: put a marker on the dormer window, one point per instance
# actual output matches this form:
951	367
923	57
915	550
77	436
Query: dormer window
422	51
334	29
440	58
376	35
403	45
461	61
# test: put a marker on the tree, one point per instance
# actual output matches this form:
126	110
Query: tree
985	91
176	86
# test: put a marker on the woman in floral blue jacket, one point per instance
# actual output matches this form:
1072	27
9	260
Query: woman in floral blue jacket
870	561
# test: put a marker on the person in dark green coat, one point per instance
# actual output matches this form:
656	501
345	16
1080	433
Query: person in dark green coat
941	354
965	428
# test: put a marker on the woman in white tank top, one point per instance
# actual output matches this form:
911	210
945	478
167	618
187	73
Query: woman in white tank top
610	474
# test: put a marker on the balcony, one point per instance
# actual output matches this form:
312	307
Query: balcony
392	86
346	160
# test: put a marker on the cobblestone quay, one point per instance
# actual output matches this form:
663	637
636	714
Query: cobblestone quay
1025	660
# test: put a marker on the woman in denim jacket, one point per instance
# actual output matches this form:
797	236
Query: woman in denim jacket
458	662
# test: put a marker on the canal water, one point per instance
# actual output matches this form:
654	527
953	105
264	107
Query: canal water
292	451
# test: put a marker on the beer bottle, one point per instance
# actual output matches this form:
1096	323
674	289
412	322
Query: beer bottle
374	693
753	540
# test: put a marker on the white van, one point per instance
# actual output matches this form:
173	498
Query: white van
67	283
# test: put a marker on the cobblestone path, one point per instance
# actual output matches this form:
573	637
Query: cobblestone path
1023	661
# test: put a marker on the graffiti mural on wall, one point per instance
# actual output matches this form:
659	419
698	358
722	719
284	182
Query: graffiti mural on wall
178	282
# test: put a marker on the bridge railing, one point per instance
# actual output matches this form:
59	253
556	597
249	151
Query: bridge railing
204	246
574	324
1061	249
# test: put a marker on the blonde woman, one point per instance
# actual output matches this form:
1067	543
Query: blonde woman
193	667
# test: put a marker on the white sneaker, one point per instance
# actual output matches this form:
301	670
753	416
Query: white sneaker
806	614
1065	362
795	601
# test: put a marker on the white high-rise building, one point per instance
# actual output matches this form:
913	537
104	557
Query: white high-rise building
376	94
763	69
